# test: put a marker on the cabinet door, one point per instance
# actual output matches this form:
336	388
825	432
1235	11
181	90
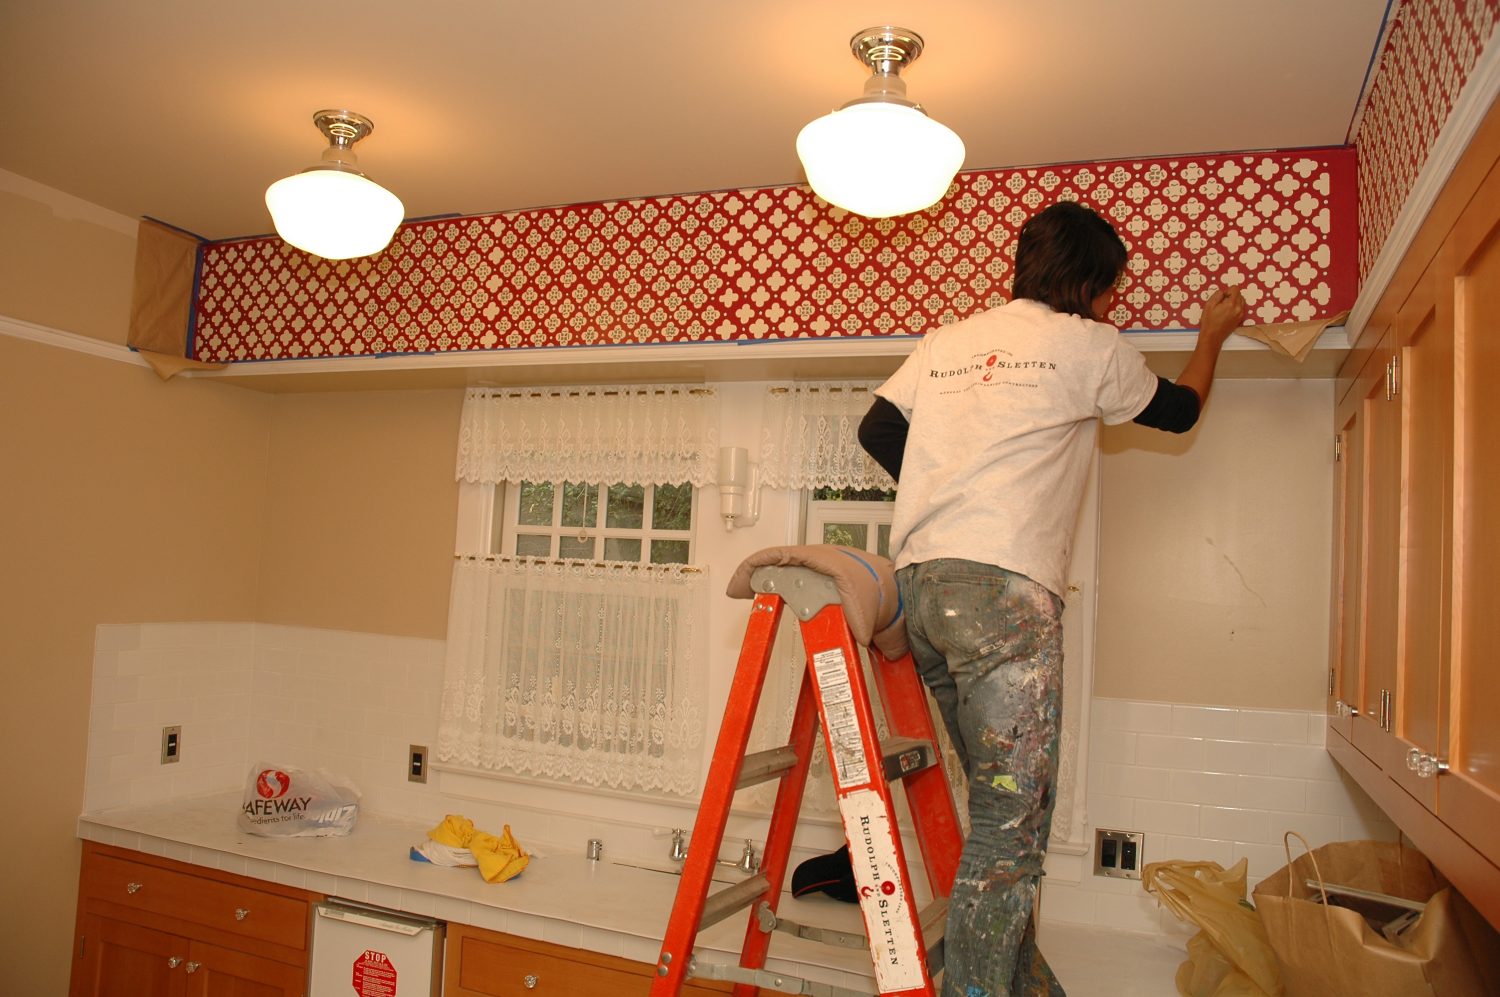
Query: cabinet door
1425	388
1469	795
126	960
212	971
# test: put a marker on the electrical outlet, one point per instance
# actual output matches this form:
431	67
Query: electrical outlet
416	764
171	744
1119	854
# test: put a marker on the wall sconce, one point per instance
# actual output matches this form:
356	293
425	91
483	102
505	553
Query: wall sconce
880	154
333	210
739	488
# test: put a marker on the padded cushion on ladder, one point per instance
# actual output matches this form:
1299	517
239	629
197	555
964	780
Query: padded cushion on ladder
866	585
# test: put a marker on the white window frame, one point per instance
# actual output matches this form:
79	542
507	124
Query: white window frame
505	531
487	522
819	513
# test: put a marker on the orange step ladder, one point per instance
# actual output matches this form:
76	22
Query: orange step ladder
843	598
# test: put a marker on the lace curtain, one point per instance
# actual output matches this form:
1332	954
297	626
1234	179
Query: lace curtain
588	673
811	437
659	434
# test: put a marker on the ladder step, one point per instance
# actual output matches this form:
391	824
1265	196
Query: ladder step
906	756
763	766
737	897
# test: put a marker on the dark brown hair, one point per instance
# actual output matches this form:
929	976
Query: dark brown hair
1066	257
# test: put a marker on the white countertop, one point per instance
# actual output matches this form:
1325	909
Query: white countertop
562	897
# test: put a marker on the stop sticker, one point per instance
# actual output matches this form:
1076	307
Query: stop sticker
374	976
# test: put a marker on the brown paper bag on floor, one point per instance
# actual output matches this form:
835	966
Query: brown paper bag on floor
1329	951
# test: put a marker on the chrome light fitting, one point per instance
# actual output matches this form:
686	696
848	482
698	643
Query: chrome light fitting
333	210
880	154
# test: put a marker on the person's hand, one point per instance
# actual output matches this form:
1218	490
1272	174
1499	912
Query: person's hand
1222	314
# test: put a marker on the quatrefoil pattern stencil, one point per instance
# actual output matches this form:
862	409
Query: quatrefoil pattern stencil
778	263
1429	53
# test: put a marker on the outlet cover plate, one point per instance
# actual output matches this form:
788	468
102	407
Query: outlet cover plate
416	763
171	744
1110	850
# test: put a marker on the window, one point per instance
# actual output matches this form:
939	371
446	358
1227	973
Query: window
851	517
576	651
647	524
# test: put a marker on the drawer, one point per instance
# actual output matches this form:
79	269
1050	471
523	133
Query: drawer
489	968
237	910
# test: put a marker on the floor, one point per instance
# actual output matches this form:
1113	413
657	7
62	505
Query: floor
1099	962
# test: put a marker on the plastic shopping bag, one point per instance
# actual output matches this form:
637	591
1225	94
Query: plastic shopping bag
1231	956
287	802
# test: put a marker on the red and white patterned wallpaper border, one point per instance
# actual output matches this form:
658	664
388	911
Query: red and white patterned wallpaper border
777	263
1430	50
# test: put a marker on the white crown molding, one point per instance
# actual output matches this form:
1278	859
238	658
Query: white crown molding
67	206
30	331
1468	112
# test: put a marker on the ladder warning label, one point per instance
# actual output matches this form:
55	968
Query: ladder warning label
374	976
889	920
842	721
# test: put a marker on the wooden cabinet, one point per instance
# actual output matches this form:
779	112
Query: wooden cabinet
152	927
1415	650
483	963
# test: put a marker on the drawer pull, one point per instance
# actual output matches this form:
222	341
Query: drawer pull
240	913
133	887
192	967
531	981
174	962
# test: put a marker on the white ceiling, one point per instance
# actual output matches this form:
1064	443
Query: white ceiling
185	110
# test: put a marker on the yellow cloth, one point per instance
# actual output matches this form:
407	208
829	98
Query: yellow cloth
454	831
499	858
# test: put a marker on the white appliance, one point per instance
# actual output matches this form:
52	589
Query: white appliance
364	951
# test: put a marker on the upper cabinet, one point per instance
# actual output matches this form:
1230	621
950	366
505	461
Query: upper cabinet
1413	681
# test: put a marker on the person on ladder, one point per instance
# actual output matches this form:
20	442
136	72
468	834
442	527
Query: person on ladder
990	427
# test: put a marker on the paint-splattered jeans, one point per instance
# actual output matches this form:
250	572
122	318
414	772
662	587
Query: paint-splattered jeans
988	644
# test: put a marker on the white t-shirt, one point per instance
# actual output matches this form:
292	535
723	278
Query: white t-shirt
1003	411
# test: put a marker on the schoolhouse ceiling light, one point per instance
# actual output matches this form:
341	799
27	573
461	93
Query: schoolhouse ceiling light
880	154
333	210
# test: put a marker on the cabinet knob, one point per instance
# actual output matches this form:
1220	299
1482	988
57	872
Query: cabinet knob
531	981
240	913
133	887
192	967
1430	765
174	962
1413	758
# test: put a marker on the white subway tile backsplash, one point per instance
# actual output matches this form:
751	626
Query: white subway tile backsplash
1210	788
1269	725
1231	824
1169	752
1148	718
1204	721
1136	781
1205	849
1271	793
1302	761
1166	817
1241	757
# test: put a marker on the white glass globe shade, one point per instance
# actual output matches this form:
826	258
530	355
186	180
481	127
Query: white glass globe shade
334	214
879	159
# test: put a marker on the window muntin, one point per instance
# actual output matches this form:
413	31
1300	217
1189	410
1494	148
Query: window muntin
851	517
645	524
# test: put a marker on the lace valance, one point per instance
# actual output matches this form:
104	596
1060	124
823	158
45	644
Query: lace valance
631	434
812	437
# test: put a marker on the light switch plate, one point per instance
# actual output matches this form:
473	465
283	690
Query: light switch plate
171	744
1119	854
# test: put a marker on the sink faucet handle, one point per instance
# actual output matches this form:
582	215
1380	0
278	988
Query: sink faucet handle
679	844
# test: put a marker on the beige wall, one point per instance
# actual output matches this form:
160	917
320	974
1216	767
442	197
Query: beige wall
361	511
1214	552
64	263
123	499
